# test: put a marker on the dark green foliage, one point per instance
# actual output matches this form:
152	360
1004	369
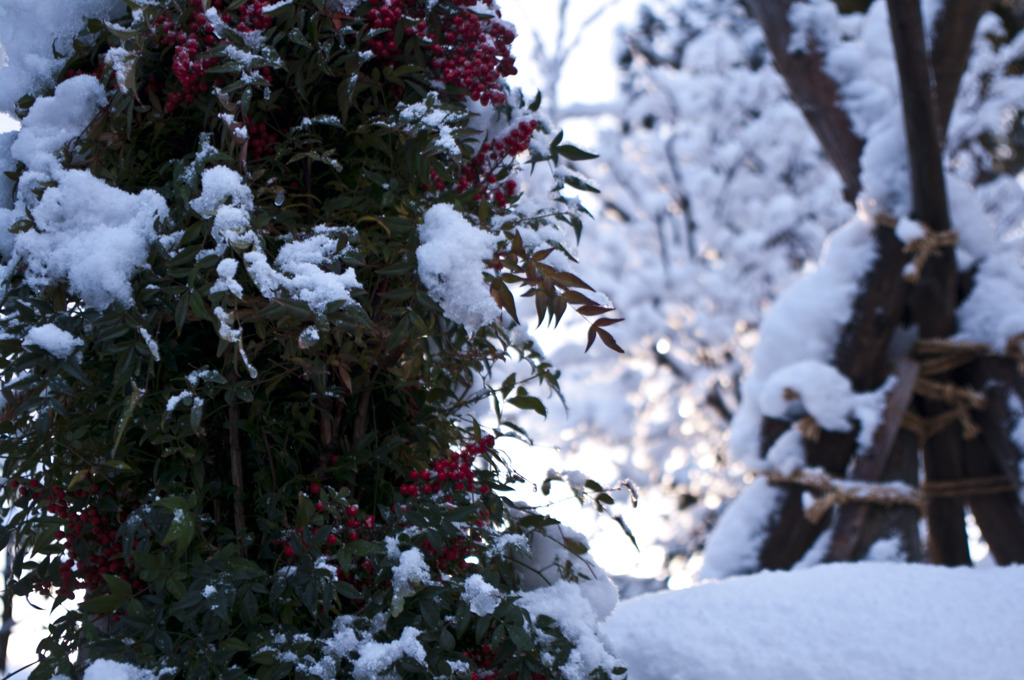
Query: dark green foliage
229	475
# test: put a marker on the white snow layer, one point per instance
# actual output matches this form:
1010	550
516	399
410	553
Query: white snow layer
91	234
481	596
297	268
836	621
550	556
88	233
566	603
375	657
30	32
733	547
821	391
450	264
105	669
411	574
994	311
57	342
228	200
804	325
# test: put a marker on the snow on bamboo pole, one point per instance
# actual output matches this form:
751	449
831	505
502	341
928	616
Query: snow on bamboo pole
860	353
813	90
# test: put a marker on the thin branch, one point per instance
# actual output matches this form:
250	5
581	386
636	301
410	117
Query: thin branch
237	475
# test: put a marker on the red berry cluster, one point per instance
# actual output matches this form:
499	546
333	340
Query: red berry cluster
350	525
248	17
452	555
191	43
454	473
471	53
483	658
480	172
480	175
97	72
89	537
477	53
261	138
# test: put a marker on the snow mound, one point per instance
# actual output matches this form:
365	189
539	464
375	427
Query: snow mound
450	260
836	621
56	341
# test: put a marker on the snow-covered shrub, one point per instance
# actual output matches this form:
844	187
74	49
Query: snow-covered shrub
254	270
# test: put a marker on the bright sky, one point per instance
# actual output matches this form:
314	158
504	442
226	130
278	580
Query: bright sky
589	73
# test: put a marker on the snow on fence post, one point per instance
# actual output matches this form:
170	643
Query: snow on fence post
954	402
934	296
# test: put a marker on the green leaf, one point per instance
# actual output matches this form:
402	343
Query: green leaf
118	586
528	403
483	624
574	153
575	547
608	340
183	525
347	590
305	511
265	658
520	638
578	183
537	521
103	604
508	384
233	644
398	269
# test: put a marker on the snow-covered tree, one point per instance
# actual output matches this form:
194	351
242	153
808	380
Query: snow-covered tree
716	195
255	270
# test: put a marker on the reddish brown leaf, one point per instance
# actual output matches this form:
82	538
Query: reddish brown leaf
503	297
608	340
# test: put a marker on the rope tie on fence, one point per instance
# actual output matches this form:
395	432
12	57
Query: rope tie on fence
924	247
881	218
842	491
1015	350
809	428
942	355
836	492
962	400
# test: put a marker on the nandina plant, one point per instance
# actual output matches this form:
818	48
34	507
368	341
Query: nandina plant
256	274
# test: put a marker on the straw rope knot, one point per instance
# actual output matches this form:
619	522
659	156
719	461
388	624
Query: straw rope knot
1015	350
962	400
942	355
836	491
925	246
